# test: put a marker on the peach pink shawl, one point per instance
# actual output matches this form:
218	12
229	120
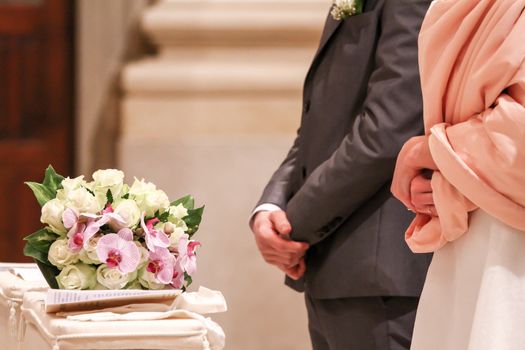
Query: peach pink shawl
473	80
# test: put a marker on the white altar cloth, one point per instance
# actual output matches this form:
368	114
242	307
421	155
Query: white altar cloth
184	330
12	289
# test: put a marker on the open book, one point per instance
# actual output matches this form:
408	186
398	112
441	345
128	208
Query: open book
59	300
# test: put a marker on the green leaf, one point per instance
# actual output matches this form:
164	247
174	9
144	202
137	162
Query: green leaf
52	180
126	196
187	201
42	193
38	244
359	6
193	220
37	254
91	192
109	196
163	217
188	280
41	239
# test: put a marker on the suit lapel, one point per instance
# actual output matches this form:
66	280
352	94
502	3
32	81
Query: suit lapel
330	28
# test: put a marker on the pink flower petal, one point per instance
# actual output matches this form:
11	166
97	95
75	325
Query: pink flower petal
69	218
192	245
112	245
162	263
115	218
105	244
76	237
126	234
183	245
108	209
89	216
154	238
165	275
91	229
178	277
130	258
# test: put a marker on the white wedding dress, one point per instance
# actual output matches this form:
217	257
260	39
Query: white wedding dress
474	294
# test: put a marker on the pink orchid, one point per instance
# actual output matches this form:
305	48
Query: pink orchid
154	238
81	228
178	276
108	209
161	263
119	251
187	258
107	216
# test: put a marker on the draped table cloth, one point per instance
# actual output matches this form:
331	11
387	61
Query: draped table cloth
25	325
12	290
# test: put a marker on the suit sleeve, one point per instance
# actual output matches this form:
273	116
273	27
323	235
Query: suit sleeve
365	160
279	188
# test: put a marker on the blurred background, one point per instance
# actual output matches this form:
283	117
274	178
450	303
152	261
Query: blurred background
197	96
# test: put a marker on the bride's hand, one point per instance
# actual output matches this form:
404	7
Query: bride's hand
421	195
413	158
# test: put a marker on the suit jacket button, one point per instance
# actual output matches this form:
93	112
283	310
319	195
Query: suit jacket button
306	107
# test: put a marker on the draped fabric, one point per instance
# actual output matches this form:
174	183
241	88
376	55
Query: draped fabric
473	80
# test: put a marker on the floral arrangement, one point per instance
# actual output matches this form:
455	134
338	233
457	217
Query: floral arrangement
105	234
343	9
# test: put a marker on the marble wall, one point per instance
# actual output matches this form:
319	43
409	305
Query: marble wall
213	113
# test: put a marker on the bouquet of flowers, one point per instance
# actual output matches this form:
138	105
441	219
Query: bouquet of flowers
105	234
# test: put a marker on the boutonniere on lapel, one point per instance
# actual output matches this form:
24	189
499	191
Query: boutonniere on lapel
343	9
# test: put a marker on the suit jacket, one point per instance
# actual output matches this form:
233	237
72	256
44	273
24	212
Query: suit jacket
361	102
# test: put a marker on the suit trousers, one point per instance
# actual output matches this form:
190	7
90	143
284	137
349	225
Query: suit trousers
364	323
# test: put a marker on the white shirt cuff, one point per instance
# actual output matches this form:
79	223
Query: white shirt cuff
263	207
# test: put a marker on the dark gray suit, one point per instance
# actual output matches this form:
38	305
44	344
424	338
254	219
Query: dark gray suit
362	101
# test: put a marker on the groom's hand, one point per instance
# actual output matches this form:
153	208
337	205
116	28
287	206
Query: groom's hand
272	235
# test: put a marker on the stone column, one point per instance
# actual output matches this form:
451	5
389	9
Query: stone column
107	35
213	114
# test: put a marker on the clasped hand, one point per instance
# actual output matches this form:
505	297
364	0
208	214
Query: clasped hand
272	235
411	183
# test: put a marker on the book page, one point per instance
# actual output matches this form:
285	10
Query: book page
59	300
28	274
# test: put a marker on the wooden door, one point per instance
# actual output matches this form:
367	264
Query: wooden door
36	109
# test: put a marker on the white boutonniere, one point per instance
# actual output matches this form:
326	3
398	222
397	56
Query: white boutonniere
342	9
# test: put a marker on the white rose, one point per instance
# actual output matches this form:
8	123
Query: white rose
102	199
175	237
89	254
109	179
141	187
125	190
83	201
129	211
78	276
52	216
69	184
147	197
84	257
178	211
60	255
148	280
153	201
112	278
